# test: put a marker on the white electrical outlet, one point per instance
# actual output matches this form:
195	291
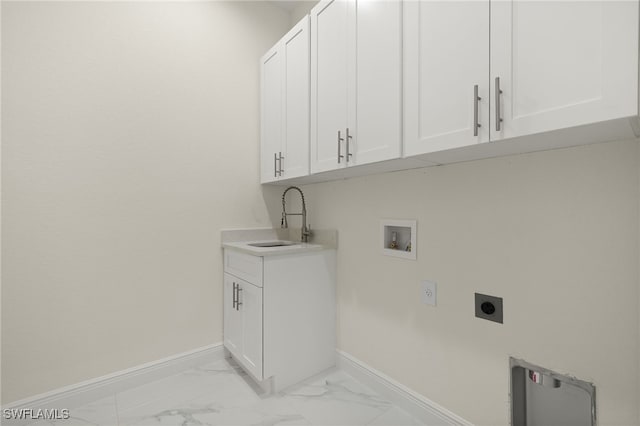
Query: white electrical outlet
428	292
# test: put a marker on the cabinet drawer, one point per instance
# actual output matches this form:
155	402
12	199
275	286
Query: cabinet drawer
244	266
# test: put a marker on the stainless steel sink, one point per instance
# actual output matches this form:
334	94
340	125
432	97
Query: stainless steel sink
272	244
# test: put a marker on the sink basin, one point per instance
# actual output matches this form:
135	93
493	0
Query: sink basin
272	244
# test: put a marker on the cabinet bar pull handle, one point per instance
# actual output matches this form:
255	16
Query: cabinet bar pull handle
275	165
238	302
498	115
280	159
340	139
234	295
476	99
348	139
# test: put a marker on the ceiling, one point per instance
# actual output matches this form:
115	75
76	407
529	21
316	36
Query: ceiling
289	5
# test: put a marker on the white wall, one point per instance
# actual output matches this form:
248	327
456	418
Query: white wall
124	125
130	138
553	233
0	204
303	8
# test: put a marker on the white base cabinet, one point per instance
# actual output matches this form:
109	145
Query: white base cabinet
279	325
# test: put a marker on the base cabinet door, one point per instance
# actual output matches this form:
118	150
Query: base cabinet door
232	317
243	323
250	301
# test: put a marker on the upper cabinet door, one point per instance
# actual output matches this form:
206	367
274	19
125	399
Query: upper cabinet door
329	55
446	57
375	81
271	114
295	51
560	64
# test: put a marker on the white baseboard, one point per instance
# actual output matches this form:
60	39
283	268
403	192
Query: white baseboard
78	394
425	410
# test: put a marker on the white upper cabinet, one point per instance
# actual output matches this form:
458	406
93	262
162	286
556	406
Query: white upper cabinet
378	82
446	86
271	110
356	49
295	47
329	76
285	106
562	64
539	66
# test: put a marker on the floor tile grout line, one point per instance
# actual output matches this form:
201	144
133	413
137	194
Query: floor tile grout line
115	400
173	391
381	414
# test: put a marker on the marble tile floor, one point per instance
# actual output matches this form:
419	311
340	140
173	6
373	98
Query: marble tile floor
220	393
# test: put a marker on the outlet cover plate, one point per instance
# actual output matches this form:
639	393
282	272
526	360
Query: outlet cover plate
428	292
488	307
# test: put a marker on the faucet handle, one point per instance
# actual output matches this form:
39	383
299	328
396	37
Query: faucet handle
306	232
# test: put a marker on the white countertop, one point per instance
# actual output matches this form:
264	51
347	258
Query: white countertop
297	248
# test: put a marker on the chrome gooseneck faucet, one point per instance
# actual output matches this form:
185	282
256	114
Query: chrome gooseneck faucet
306	231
